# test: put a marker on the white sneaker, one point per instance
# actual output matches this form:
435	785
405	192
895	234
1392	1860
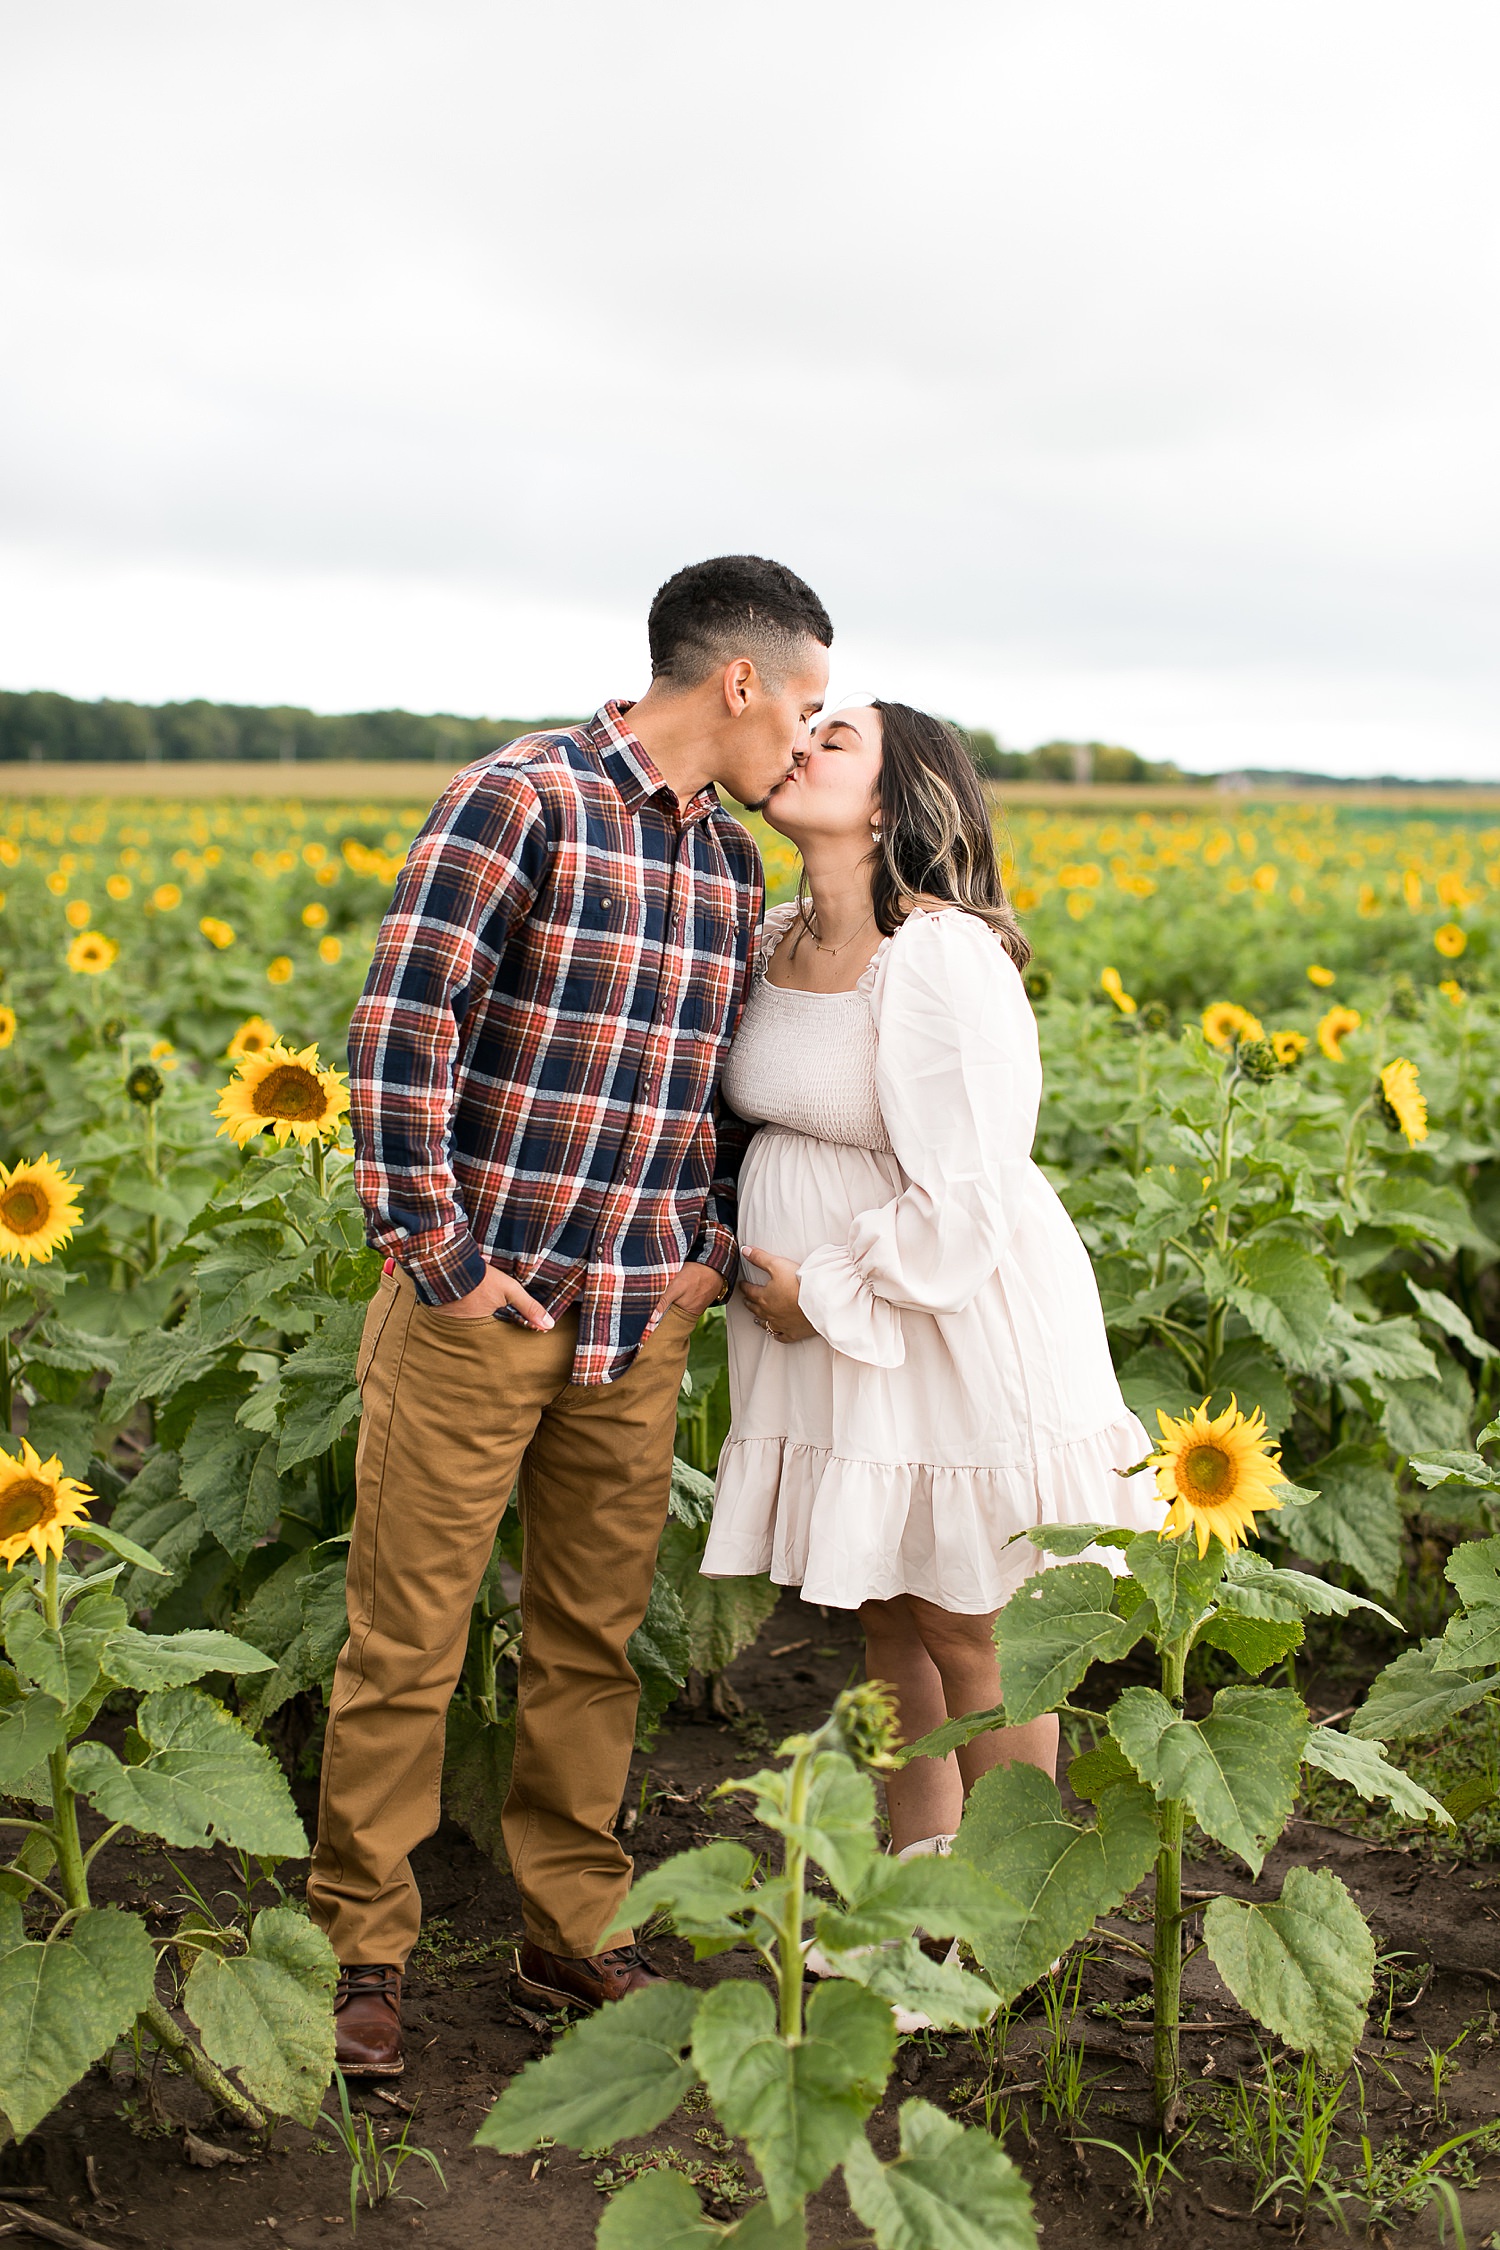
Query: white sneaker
929	1847
911	2020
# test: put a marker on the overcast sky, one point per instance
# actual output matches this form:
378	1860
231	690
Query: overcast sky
1113	368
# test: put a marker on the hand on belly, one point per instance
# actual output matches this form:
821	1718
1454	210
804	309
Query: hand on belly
774	1301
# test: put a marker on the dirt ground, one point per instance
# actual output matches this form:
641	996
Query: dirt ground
127	2160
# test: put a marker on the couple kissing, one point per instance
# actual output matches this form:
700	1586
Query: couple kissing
594	1090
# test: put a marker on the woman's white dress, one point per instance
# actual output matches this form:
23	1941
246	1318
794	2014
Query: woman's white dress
959	1388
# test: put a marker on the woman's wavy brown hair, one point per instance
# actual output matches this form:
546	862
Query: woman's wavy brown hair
936	840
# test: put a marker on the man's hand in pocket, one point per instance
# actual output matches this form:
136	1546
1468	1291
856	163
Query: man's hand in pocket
693	1288
495	1290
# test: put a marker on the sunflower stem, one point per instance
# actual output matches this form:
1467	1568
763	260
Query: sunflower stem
321	1268
65	1836
1354	1148
1213	1341
5	1397
794	1869
190	2056
1167	1950
150	1157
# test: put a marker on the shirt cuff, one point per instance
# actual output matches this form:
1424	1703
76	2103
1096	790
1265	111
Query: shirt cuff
715	1246
443	1267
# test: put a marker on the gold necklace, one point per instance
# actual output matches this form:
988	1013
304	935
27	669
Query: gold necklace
848	941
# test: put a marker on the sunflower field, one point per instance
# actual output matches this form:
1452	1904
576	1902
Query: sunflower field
1270	1034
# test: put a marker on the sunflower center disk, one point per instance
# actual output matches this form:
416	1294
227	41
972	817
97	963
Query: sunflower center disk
1208	1470
24	1506
23	1210
290	1092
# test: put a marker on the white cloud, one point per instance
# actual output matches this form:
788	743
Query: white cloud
1126	371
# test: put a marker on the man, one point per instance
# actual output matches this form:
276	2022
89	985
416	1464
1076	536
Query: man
533	1068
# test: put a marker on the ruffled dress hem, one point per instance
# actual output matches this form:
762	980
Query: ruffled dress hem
849	1531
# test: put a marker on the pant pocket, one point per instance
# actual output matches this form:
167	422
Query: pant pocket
379	1312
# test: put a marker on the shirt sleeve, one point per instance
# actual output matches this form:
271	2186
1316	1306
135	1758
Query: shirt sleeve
471	875
959	1079
716	1243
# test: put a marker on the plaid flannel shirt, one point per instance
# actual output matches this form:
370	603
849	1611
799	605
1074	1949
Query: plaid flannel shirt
535	1057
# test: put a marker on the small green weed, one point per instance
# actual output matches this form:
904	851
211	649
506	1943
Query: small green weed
1065	2085
1149	2171
374	2166
1281	2127
720	2182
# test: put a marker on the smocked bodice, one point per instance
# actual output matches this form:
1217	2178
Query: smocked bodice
806	1060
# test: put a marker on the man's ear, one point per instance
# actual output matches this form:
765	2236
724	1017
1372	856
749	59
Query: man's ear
740	678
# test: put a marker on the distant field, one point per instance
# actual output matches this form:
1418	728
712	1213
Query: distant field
390	781
394	781
263	885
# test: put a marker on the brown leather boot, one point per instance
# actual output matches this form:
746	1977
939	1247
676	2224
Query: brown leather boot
554	1980
367	2020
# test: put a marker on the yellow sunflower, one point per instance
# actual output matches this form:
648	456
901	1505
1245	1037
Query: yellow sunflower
1215	1474
38	1505
1111	982
78	914
331	949
286	1092
1288	1047
37	1211
1335	1029
315	916
1319	976
254	1036
279	971
166	897
1402	1103
118	887
1224	1025
91	953
1451	989
1450	941
219	934
7	1025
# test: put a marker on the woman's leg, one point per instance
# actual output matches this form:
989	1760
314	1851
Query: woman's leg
961	1650
927	1798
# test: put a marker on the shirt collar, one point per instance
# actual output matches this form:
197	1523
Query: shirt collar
631	768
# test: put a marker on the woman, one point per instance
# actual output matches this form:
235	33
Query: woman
916	1352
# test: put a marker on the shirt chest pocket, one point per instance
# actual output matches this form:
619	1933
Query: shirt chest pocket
713	970
610	909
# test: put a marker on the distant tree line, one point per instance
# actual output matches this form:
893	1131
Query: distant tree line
1068	761
44	726
56	727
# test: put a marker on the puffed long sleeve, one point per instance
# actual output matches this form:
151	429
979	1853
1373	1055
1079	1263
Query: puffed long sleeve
959	1080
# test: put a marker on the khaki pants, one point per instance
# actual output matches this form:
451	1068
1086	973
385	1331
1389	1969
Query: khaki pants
452	1410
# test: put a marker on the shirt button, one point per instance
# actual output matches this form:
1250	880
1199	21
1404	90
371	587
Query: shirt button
606	902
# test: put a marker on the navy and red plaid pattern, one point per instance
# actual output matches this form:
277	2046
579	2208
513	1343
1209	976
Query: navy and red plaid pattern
534	1059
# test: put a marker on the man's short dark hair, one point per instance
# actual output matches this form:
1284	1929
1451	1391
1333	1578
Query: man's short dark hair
732	605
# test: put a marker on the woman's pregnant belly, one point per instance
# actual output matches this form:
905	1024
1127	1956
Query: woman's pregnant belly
796	1193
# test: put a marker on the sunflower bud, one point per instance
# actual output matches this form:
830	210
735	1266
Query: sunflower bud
112	1031
864	1724
1038	983
1257	1059
145	1084
1155	1016
1405	1001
